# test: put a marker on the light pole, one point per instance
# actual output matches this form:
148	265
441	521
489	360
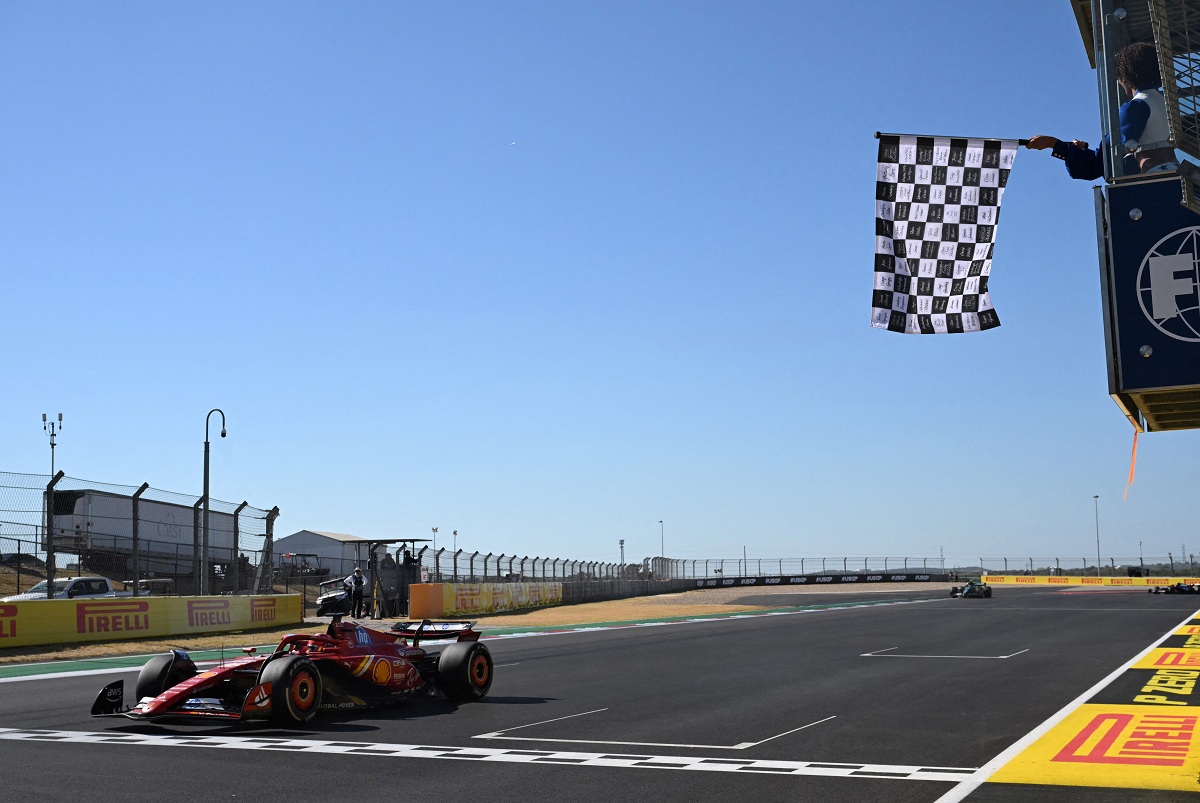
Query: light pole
456	541
48	426
204	540
434	538
1096	500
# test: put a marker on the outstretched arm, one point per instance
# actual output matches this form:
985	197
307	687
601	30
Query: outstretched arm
1083	162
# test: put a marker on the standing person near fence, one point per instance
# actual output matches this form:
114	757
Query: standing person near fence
354	584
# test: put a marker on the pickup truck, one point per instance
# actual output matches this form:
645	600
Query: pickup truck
70	588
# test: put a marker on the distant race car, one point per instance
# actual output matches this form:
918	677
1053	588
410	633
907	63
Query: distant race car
348	667
973	588
1176	588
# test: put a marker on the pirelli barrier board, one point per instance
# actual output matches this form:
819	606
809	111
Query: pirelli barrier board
1058	580
24	624
1138	732
822	579
435	600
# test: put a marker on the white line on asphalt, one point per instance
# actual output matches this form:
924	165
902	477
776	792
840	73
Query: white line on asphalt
827	769
543	722
969	785
877	654
500	734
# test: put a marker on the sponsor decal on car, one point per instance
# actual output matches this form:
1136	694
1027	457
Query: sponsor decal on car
8	621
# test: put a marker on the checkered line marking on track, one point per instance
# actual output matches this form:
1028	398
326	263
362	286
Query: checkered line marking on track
698	763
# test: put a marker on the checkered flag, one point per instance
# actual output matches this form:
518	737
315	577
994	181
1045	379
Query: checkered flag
937	203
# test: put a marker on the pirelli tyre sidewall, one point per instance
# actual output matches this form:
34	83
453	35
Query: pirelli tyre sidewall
465	671
161	673
296	689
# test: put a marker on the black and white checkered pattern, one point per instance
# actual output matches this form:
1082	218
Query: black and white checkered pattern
385	750
937	204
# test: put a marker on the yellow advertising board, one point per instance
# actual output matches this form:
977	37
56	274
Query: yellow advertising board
435	600
1079	580
65	621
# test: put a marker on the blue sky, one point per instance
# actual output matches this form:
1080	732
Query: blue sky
549	273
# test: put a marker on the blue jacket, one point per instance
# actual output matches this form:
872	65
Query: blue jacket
1089	165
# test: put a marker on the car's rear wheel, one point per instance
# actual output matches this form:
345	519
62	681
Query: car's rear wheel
296	689
465	671
987	593
162	672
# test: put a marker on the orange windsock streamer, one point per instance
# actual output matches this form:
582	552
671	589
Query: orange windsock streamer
1132	465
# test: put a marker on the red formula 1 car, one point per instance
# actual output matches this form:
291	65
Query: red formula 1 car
348	667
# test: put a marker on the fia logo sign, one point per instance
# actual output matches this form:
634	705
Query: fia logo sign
1168	285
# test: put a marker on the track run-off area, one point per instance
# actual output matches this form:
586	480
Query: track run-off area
1035	694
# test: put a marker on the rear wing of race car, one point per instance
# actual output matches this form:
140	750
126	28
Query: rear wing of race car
427	629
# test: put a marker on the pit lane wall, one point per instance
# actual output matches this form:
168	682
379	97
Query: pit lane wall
1059	580
38	622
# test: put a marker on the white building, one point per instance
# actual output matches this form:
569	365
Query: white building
338	552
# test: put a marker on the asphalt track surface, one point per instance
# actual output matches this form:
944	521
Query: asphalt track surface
888	702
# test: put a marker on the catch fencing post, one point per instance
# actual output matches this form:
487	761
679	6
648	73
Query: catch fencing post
136	498
196	573
50	558
237	553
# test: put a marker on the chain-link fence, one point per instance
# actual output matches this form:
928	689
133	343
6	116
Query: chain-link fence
1172	565
65	524
444	565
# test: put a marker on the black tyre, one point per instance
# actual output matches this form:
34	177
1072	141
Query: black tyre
465	671
987	592
162	672
954	591
296	689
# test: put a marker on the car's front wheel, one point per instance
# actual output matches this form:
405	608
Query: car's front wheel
162	672
295	689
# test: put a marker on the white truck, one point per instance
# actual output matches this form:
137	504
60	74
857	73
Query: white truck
70	588
100	525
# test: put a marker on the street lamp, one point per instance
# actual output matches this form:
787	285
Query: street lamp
49	427
434	538
1096	500
204	540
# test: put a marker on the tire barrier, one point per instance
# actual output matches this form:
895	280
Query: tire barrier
819	579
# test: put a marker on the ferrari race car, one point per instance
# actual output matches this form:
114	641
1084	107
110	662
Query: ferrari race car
973	588
1176	588
348	667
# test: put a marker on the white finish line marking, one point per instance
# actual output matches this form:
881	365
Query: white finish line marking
500	735
386	750
879	654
